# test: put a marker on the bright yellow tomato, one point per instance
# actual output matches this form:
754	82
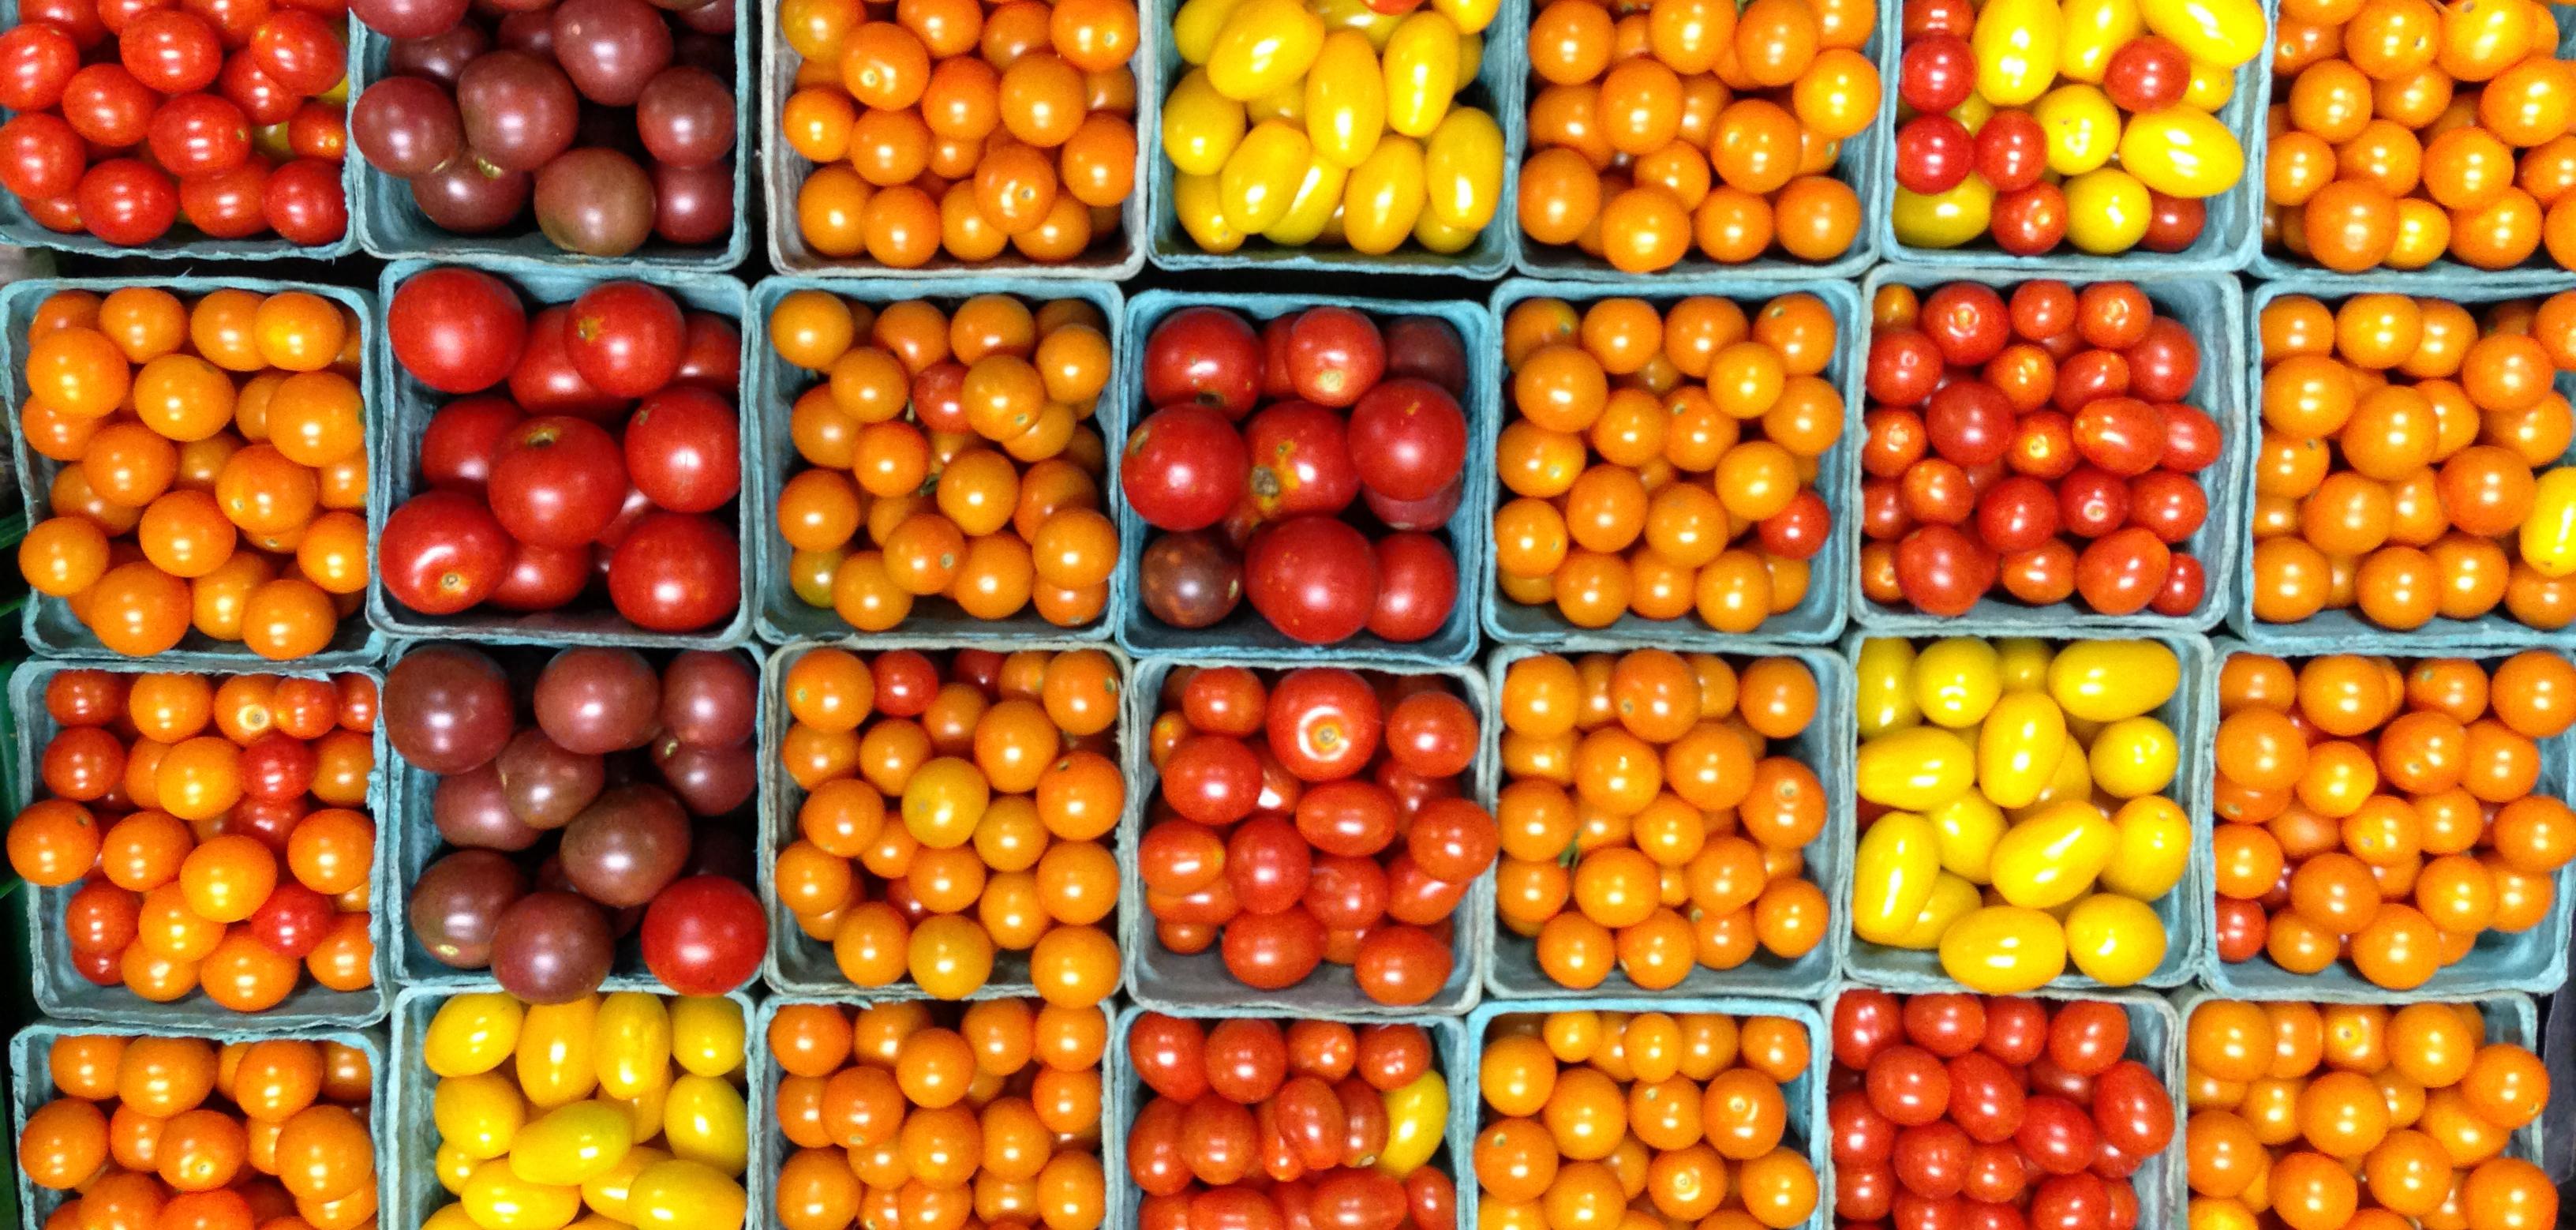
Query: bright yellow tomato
2018	748
2016	46
1471	16
1318	195
1947	219
1345	100
634	1041
704	1121
1967	829
2221	32
2054	857
1462	170
2210	87
1357	16
1195	27
644	1110
1952	899
558	1052
1260	179
454	1165
1471	55
2153	849
1288	102
2022	662
1264	45
499	1200
450	1217
1438	236
2134	756
1883	673
2106	211
2082	127
1416	1117
2549	533
2004	950
479	1114
2104	681
605	1192
1955	682
1383	196
571	1144
707	1034
1200	126
2181	151
1200	206
2073	780
1917	768
472	1033
683	1195
2114	940
1421	66
2094	29
1893	870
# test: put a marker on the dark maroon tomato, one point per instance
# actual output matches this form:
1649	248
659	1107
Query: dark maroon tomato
2092	501
1896	440
557	481
1417	587
2012	150
1314	578
1334	356
1426	348
36	61
198	134
624	338
1908	1085
686	117
519	110
1184	468
1268	863
1859	1133
1942	571
545	380
1985	1097
458	445
1933	153
227	204
1204	356
406	126
1904	366
684	450
1865	1023
1936	492
2147	73
611	48
1799	530
1212	779
307	204
2120	572
1967	321
1938	73
2192	440
1948	1025
2122	435
1969	421
1408	439
176	52
1190	580
1426	514
110	109
543	578
710	353
128	201
1301	460
2031	220
2041	576
1269	952
2017	514
2132	1109
2171	506
442	552
456	330
2164	363
675	572
2173	224
1932	1159
40	155
2185	585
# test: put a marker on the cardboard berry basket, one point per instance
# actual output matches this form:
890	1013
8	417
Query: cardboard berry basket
1200	982
2213	310
59	988
1825	747
2532	962
48	623
394	459
2346	631
771	386
1468	531
1819	616
2184	907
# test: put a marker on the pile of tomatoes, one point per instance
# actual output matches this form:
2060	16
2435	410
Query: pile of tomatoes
961	439
1331	124
1003	777
907	1114
1633	481
216	830
963	127
548	1112
1310	816
1652	1120
1266	453
2405	131
185	1132
1979	772
2000	429
211	467
2124	154
1992	1112
1644	769
130	119
2410	464
1319	1123
2384	814
2330	1116
612	461
1695	123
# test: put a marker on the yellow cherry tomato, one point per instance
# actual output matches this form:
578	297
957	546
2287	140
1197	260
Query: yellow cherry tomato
1462	170
2549	533
2003	950
1421	66
1345	100
1471	16
571	1144
1200	206
1264	45
2181	151
2018	748
2054	857
2104	681
1261	178
704	1120
2222	32
707	1034
2134	756
472	1033
1383	196
558	1052
2114	940
1917	768
2016	46
605	1192
1955	681
634	1043
499	1200
1318	195
2210	87
1967	828
1944	220
2022	663
2093	30
1892	875
1438	236
2082	127
1883	673
454	1165
479	1114
2153	849
1200	126
1416	1116
2106	211
1195	27
684	1195
1951	900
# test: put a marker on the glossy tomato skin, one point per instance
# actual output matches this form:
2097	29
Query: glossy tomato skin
2123	435
625	338
462	438
557	481
226	204
676	572
1904	366
684	450
704	935
1939	72
1933	153
1268	952
2192	440
1301	460
2185	586
2017	514
1206	357
1943	571
543	578
1408	439
2169	505
1335	355
197	134
1314	578
2030	221
710	354
1969	422
40	155
456	330
128	201
1324	723
1865	1023
1428	513
1968	321
1417	587
1402	965
545	381
1184	468
2012	150
307	204
2120	572
442	552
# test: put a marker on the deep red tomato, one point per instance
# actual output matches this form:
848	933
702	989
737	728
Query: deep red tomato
1426	514
2185	585
2070	1202
227	204
676	572
277	766
1932	1160
300	51
544	578
1324	722
1864	1192
1942	571
1402	965
2120	572
1904	366
1860	1135
1408	438
1246	1059
1895	440
1154	1159
1985	1097
625	338
1948	1025
1908	1085
292	921
1882	510
710	353
234	20
1922	17
1865	1023
307	204
1301	460
456	330
1799	530
1417	587
2088	1036
1346	892
1184	468
704	935
2017	514
2192	441
2092	501
1432	733
1433	1198
1938	73
557	481
1314	578
2164	363
2147	73
40	155
2056	1134
1968	321
458	445
174	51
1206	357
1417	897
545	380
2133	1109
2113	315
2173	224
1169	1055
197	134
2171	506
36	61
2041	576
442	552
317	131
684	450
2123	435
2012	150
1276	384
1968	421
1225	700
2031	220
1937	491
1335	355
1212	779
1933	153
1355	819
128	201
258	95
1268	952
1453	840
77	18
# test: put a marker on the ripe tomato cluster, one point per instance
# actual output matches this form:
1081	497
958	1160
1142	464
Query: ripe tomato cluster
1319	1123
1667	1120
1004	775
232	860
183	1132
1639	107
2404	131
245	502
907	1114
1653	773
964	127
2383	814
588	1119
1262	450
2359	1115
2124	154
1990	1112
132	118
2396	475
1358	136
1314	815
2000	429
612	462
1612	514
2044	841
962	441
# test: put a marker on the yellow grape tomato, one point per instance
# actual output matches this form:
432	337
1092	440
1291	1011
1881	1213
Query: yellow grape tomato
1195	27
2082	127
1201	209
1966	829
1345	100
2107	211
605	1192
2549	533
679	1194
1883	673
499	1200
472	1033
704	1120
1421	66
2016	47
707	1034
1955	682
1261	177
572	1144
634	1043
2054	857
1200	126
1917	768
1417	1115
2104	681
2022	662
2019	747
1892	875
2225	33
2004	950
558	1052
1462	170
1951	900
2182	152
2134	757
1263	45
2153	850
2095	29
1944	220
1383	196
479	1114
1318	195
1471	16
